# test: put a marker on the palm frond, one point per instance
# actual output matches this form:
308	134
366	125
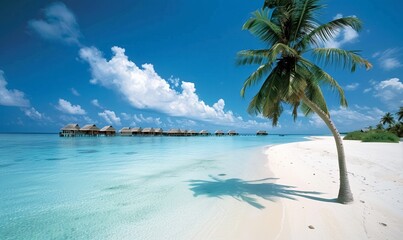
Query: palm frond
261	26
255	77
349	59
328	31
246	57
319	76
304	17
268	100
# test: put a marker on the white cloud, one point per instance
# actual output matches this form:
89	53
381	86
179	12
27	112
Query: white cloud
74	92
341	37
11	97
352	87
348	119
96	103
66	107
174	81
110	117
390	92
32	113
316	121
126	116
150	120
59	24
367	90
89	120
143	88
388	59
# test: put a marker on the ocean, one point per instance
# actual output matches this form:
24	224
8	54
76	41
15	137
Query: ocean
119	187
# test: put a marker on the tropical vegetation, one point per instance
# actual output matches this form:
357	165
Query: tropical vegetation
391	133
294	36
372	136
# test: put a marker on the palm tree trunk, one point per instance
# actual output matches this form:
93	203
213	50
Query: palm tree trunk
345	194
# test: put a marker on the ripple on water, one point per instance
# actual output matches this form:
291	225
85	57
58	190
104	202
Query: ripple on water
55	159
4	165
130	153
88	151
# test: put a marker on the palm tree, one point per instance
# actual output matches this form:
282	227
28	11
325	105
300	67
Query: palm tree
400	114
379	126
388	119
291	30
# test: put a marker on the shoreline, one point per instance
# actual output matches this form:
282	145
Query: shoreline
309	169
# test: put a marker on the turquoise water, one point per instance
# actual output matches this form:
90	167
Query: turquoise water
115	187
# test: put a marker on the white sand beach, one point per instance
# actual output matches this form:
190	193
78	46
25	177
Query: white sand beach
376	178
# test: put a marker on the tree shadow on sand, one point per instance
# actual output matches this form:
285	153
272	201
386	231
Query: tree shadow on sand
250	191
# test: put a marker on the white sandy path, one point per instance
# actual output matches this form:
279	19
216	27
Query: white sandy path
376	178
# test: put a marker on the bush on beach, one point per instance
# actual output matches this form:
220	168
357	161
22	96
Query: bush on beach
372	136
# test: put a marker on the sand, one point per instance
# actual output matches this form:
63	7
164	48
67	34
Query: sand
310	173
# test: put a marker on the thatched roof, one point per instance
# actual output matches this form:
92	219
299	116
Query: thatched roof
261	132
148	130
126	130
137	130
219	132
108	129
71	127
232	132
158	130
90	127
174	130
192	131
204	132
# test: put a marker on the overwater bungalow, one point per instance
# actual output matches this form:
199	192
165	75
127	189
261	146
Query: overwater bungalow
219	133
136	131
126	131
261	133
148	131
175	132
232	133
90	130
108	131
192	133
158	131
204	133
70	130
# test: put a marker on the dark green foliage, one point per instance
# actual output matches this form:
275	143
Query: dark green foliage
397	129
372	136
357	135
380	137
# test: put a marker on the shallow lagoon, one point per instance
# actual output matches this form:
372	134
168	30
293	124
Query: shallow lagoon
117	187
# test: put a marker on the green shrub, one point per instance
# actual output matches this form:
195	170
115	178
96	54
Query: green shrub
357	135
380	137
372	136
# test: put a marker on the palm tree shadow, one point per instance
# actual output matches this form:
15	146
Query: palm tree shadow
250	191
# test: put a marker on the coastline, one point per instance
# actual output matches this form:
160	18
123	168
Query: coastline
310	169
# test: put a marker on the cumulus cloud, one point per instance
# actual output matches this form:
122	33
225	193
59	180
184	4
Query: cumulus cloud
59	24
388	59
110	117
74	92
390	92
352	87
11	97
32	113
143	88
341	37
316	121
141	119
356	116
96	103
367	90
66	107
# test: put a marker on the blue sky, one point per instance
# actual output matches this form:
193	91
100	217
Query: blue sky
171	64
